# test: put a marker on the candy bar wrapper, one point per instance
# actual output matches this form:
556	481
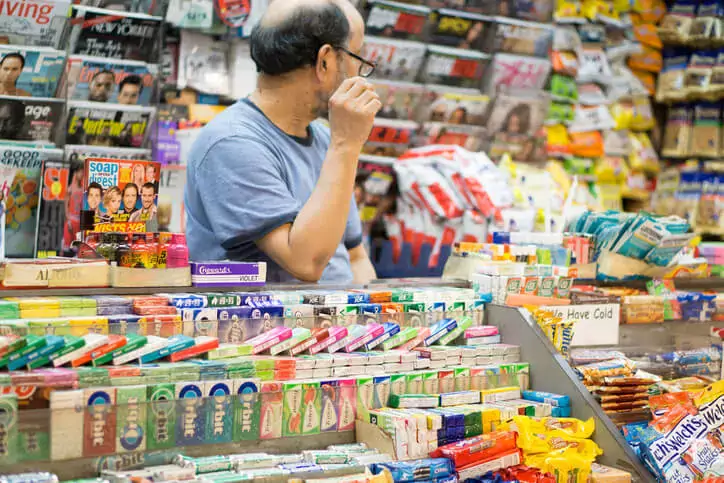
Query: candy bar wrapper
190	421
406	470
271	416
247	409
330	406
131	419
99	434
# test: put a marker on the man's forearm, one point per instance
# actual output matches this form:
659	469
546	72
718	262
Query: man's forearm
320	225
362	270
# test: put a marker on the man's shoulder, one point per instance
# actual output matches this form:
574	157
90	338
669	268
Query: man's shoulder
239	126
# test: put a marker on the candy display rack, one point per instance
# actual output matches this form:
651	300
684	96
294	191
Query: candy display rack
549	367
548	371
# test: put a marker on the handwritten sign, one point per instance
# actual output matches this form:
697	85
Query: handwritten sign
594	324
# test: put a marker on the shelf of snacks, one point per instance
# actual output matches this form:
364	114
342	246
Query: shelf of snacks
125	382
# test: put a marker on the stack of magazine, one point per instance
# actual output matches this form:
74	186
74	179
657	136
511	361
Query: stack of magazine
76	81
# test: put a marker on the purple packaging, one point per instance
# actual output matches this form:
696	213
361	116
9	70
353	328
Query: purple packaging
329	415
114	309
253	299
228	274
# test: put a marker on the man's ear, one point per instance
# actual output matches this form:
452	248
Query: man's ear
325	61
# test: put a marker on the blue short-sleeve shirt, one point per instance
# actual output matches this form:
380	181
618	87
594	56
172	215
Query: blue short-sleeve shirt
245	178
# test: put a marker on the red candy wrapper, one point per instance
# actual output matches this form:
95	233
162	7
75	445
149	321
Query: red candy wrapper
476	450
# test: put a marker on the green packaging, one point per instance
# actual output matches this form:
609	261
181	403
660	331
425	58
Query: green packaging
246	409
131	418
9	429
404	335
365	396
312	407
464	324
161	416
292	409
133	342
413	383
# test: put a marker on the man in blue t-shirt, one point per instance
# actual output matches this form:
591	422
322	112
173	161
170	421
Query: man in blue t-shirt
266	182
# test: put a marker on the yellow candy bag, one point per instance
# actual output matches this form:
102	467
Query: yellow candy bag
569	467
554	435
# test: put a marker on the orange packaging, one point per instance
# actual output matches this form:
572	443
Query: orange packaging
380	297
649	59
477	449
648	79
646	34
662	403
565	63
587	144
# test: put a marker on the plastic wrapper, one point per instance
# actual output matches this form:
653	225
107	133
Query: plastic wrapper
475	450
454	67
400	100
511	71
398	60
423	469
525	38
453	106
589	356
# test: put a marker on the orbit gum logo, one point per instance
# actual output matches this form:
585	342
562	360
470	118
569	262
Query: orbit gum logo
219	412
131	418
8	429
161	416
246	410
99	422
190	421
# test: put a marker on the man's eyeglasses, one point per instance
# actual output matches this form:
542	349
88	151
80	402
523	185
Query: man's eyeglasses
366	68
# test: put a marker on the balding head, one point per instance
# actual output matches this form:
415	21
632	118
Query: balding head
291	33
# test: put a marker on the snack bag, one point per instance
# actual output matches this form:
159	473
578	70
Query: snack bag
671	79
649	59
699	71
568	467
565	63
587	144
677	134
646	34
568	12
667	440
557	142
706	129
534	437
563	88
560	113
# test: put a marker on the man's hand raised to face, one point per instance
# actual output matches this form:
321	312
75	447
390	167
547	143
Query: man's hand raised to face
352	110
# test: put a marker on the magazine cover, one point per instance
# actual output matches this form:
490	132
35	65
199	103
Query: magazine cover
454	67
521	37
514	125
98	32
116	81
39	23
472	138
21	220
171	216
459	29
30	71
110	125
203	64
534	10
512	71
395	20
120	195
51	212
171	118
149	7
75	157
30	119
454	105
390	138
398	60
400	100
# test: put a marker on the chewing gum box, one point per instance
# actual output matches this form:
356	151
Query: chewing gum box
9	434
347	403
190	423
330	406
161	428
247	404
99	428
272	403
219	411
66	416
293	408
131	418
